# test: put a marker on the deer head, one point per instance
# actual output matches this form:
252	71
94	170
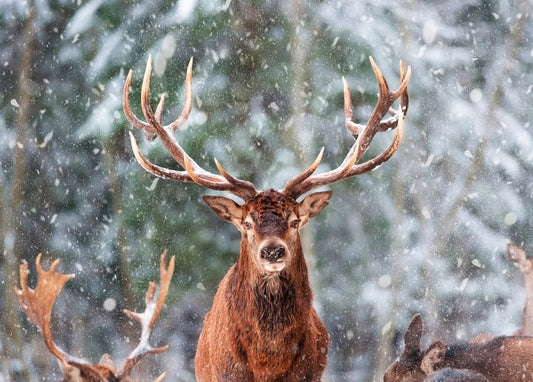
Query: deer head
269	220
408	367
504	358
37	304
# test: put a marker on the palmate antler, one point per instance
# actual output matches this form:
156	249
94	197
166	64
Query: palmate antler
298	185
37	304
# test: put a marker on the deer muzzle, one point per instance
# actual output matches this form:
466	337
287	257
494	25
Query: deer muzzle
273	254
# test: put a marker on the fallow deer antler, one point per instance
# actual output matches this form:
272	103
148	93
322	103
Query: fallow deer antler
37	304
148	318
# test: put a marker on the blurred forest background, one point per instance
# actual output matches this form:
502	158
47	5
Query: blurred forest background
426	232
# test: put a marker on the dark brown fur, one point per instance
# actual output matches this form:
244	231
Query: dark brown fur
262	326
502	359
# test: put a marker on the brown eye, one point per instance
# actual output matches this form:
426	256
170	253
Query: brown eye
247	225
295	223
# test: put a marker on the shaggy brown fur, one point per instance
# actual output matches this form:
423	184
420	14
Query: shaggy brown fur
262	326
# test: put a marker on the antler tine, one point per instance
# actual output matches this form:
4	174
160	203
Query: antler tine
385	100
242	189
130	116
188	99
306	174
385	155
385	125
37	303
363	134
194	173
354	128
404	99
149	316
162	172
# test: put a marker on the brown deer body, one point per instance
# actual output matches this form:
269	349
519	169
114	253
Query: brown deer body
502	359
37	304
455	375
262	326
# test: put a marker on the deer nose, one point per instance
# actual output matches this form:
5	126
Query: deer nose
273	254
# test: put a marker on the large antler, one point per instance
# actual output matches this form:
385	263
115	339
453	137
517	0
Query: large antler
148	318
363	135
153	128
37	304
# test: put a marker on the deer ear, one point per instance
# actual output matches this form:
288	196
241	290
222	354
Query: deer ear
312	205
433	356
413	334
225	208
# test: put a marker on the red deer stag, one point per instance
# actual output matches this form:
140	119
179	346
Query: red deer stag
262	325
37	304
502	359
519	256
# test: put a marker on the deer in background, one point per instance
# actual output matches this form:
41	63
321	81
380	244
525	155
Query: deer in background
262	325
37	304
519	256
502	359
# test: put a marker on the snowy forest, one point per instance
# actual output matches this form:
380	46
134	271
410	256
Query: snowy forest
425	232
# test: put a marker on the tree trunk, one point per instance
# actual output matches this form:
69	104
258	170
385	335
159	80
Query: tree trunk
14	230
111	155
300	76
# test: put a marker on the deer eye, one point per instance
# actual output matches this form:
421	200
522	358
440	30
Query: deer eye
295	223
247	225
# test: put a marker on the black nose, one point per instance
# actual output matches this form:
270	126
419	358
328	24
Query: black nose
273	254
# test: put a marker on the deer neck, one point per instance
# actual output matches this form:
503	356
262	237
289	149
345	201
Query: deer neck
277	297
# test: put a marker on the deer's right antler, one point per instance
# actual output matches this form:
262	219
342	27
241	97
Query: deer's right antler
153	128
37	303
